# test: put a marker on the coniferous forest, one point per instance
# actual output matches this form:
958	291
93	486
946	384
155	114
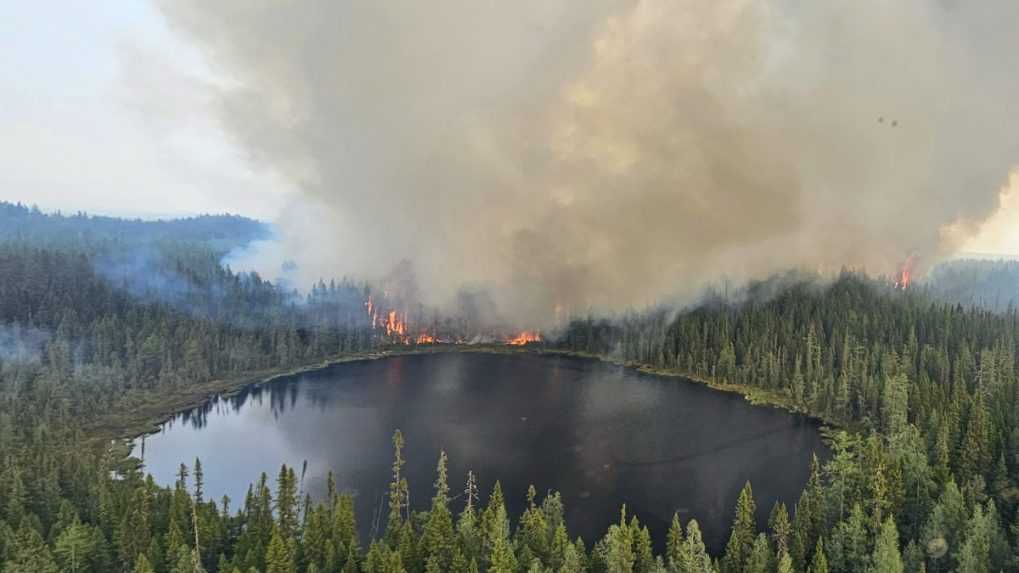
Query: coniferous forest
100	315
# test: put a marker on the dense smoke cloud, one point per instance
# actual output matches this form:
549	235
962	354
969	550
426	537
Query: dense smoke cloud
610	153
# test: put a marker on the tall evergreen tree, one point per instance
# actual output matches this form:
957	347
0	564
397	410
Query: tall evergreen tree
744	531
887	558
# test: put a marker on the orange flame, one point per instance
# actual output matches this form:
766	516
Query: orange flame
395	324
905	273
524	337
425	338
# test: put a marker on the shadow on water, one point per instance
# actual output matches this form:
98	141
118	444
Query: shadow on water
713	450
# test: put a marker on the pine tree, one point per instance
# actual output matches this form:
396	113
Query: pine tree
674	543
30	553
438	538
398	492
849	543
315	537
695	556
573	560
561	545
142	565
785	563
494	522
375	559
781	529
894	404
135	527
975	554
74	547
352	564
286	503
808	518
619	543
886	558
502	559
344	529
760	560
644	559
744	531
467	524
975	450
279	556
819	564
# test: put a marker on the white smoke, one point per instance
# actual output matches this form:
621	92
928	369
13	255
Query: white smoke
574	153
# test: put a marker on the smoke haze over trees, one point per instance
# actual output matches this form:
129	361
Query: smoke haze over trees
576	153
927	480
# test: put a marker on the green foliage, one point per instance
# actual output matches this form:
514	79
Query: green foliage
743	534
30	553
886	558
438	539
927	393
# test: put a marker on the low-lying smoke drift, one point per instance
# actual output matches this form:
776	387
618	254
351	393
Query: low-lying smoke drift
576	153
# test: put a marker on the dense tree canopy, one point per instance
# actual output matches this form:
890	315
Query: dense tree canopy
923	394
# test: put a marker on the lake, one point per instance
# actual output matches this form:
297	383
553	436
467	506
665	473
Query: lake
601	434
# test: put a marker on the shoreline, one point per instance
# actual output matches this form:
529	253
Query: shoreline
756	396
150	413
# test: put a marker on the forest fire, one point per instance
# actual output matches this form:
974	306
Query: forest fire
905	275
405	327
395	324
524	337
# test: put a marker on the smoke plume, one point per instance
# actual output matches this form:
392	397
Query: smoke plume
577	153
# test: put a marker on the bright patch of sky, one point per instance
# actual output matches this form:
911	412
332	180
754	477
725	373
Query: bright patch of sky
999	235
104	109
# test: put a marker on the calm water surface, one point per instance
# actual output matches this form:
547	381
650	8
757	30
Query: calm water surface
600	434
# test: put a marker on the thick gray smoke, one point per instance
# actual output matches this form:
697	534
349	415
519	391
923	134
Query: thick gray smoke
580	153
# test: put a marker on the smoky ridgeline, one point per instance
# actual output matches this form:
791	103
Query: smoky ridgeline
102	317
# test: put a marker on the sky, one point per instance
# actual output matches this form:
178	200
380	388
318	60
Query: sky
105	110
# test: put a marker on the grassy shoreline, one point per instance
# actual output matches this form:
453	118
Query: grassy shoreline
148	412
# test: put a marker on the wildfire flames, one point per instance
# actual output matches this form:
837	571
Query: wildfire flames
396	326
524	337
905	273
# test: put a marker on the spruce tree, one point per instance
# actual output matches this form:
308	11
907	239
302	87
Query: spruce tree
398	493
619	544
819	564
781	529
760	560
30	553
674	543
695	556
279	556
744	531
438	538
887	558
142	565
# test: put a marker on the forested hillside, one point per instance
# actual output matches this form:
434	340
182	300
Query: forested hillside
83	231
924	477
929	388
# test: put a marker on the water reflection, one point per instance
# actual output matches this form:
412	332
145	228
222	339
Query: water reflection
600	434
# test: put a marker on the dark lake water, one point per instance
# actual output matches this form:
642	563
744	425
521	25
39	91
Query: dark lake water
600	434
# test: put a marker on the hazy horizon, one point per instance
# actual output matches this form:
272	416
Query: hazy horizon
563	154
